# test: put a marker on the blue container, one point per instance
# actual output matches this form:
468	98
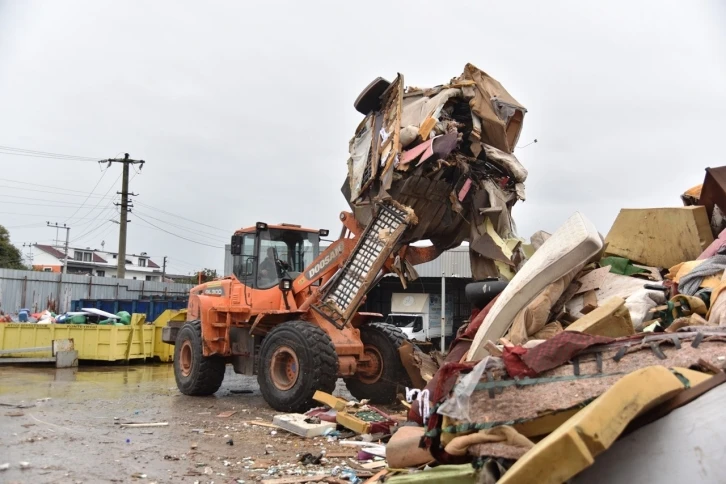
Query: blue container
151	307
23	315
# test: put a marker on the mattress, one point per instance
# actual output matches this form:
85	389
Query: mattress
572	245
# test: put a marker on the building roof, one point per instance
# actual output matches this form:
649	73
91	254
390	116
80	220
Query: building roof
96	259
51	250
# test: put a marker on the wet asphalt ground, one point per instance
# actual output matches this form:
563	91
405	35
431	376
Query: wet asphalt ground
66	425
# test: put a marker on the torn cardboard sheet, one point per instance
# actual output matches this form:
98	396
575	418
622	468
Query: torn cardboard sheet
535	316
419	366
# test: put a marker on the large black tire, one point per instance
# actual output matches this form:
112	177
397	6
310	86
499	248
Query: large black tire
296	360
195	374
381	384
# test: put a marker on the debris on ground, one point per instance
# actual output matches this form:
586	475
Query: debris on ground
592	339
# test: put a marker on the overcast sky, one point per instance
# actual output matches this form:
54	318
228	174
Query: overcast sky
243	110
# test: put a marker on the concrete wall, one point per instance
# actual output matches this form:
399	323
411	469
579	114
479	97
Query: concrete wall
37	290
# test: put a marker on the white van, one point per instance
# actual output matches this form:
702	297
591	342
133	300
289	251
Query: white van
419	316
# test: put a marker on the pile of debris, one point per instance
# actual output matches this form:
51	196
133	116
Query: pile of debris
596	346
446	153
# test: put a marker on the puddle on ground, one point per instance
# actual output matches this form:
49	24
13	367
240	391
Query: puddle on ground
34	382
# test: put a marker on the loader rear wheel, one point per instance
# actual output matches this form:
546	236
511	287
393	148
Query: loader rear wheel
296	359
379	380
195	374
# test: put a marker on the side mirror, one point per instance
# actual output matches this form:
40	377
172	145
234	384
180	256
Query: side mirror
324	232
236	248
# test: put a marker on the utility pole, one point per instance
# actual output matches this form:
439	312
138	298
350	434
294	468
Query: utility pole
163	271
125	208
29	255
68	231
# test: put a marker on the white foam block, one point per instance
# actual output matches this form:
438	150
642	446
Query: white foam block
295	423
572	245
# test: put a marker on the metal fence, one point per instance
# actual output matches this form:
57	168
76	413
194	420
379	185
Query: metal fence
41	290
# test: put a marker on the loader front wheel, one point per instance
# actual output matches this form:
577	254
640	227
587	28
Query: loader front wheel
296	359
195	374
378	380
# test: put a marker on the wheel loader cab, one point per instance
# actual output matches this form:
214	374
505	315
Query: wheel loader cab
265	254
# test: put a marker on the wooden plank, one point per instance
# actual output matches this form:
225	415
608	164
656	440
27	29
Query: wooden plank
592	280
261	424
425	130
227	414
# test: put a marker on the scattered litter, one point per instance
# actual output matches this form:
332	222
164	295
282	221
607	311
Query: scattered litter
261	424
227	414
138	475
171	457
310	459
4	467
230	442
14	414
17	405
298	424
142	425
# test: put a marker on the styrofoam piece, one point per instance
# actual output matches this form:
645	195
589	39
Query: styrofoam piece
98	312
296	424
572	245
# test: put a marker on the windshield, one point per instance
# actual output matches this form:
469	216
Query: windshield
404	320
281	252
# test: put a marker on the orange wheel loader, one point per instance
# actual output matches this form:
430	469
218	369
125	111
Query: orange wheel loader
291	313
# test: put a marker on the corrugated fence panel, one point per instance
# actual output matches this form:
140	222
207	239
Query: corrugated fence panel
39	290
455	263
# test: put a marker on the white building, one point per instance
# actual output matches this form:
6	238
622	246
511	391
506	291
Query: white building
95	263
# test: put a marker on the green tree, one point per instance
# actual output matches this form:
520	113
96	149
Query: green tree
10	256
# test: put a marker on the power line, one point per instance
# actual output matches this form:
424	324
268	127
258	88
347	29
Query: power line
44	154
41	215
35	199
90	231
177	235
47	192
34	185
196	232
74	205
89	196
105	195
226	231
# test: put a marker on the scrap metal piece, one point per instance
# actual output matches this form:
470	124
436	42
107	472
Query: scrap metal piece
697	340
657	350
620	354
